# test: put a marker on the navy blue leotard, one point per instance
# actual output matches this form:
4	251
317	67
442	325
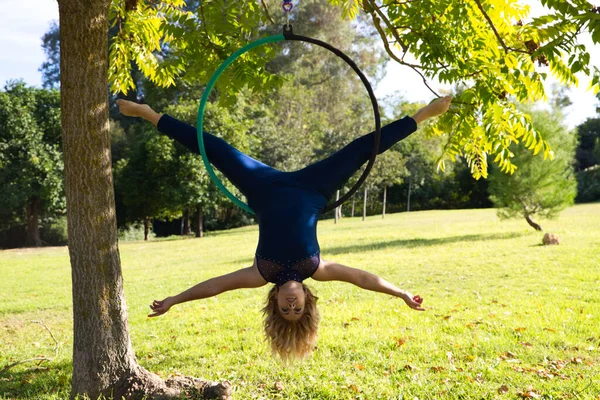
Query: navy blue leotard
287	204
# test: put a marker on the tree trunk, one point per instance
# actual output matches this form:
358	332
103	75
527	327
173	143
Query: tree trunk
336	211
384	200
200	228
186	221
33	225
102	351
532	223
146	228
365	205
103	359
353	202
408	198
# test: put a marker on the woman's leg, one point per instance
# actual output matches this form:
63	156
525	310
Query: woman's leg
242	170
331	173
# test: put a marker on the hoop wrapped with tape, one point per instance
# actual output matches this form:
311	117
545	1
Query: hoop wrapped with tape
288	35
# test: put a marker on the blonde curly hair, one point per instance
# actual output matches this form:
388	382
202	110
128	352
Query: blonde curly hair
291	340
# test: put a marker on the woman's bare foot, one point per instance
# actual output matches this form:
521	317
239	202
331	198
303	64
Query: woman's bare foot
132	109
433	109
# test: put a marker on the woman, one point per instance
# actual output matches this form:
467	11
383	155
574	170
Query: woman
287	206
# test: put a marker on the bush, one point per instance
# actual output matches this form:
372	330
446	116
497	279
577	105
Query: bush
53	231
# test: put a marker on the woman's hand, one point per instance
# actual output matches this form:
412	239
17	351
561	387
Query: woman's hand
161	307
413	302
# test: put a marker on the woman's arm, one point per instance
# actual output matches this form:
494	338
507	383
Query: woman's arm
243	278
331	271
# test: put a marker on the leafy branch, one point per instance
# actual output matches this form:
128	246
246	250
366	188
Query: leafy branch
372	9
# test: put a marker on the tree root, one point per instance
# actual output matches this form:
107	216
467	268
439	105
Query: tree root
144	385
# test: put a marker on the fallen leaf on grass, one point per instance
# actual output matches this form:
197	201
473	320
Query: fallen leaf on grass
526	344
400	341
576	360
279	386
355	319
359	366
355	388
508	356
550	329
408	367
503	389
530	394
520	329
542	373
557	364
437	369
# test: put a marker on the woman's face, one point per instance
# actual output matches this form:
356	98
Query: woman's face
290	300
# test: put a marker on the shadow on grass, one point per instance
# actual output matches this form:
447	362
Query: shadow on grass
52	379
419	242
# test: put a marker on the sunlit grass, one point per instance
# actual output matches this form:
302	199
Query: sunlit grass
502	310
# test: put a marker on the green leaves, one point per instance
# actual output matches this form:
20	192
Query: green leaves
31	164
490	54
482	47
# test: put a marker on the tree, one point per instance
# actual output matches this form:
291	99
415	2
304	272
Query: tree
588	148
538	188
103	359
145	179
31	168
588	161
50	68
390	170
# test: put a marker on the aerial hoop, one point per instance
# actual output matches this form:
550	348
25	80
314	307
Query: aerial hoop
287	34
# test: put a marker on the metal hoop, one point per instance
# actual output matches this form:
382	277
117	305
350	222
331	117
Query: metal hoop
288	34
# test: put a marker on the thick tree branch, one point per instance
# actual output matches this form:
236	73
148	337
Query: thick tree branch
267	11
506	48
373	6
389	51
489	20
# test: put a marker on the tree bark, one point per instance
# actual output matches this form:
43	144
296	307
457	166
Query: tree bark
146	228
186	221
103	359
532	223
336	211
200	215
353	202
102	351
408	198
365	205
33	225
384	201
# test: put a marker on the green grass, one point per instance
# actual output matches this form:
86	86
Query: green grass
502	310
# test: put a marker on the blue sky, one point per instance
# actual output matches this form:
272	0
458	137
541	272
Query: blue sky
22	24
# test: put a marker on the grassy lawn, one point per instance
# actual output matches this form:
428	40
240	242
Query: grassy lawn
506	318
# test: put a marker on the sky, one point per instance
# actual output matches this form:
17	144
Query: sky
24	22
